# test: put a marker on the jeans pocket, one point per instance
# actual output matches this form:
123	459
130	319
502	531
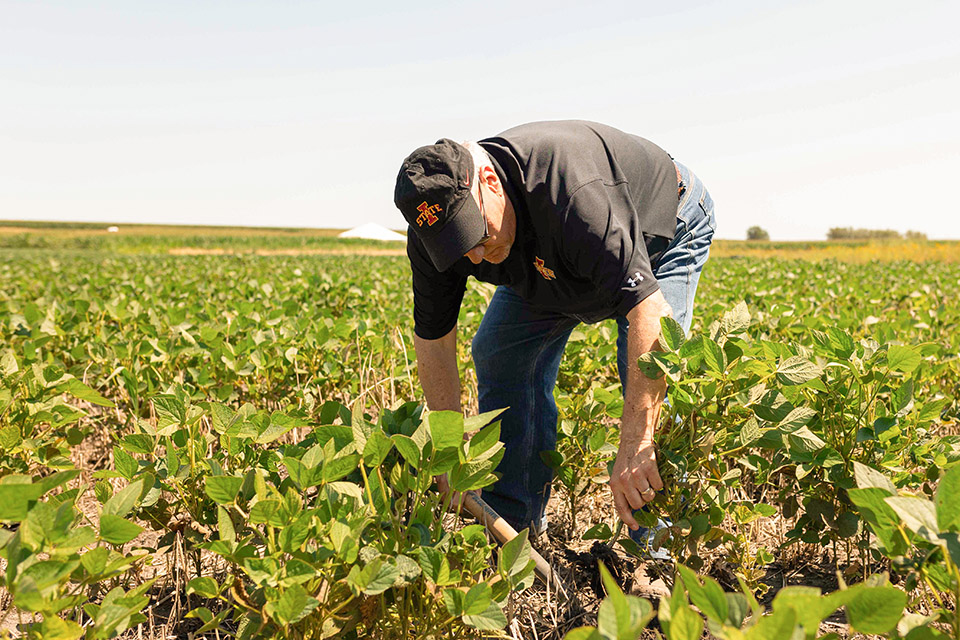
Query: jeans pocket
706	207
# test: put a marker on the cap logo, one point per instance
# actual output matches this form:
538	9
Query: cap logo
427	214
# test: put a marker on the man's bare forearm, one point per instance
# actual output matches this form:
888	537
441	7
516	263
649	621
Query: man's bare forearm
643	396
440	379
635	478
437	368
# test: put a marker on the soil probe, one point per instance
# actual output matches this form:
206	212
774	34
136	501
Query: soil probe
504	533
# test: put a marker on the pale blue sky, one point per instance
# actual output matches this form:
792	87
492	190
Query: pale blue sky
799	116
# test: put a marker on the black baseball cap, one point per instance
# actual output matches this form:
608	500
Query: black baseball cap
433	194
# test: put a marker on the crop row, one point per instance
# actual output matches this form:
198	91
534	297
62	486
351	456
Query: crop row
255	409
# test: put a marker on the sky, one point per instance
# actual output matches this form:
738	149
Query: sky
798	116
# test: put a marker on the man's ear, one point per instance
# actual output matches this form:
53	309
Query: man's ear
488	175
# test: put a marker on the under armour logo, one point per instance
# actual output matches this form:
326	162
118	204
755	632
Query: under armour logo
635	279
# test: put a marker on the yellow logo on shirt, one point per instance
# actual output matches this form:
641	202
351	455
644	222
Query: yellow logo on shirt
546	273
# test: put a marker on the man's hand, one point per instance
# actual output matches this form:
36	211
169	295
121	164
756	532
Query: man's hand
440	379
635	479
456	498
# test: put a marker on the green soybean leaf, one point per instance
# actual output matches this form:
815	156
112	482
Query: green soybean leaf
200	613
377	447
15	500
477	599
79	390
918	515
446	429
841	342
713	357
225	525
925	633
848	524
95	560
931	411
903	358
477	422
515	555
648	366
375	578
685	624
126	464
123	501
810	606
749	432
620	616
773	406
876	610
340	466
53	628
881	517
797	370
453	601
714	600
599	531
799	417
708	596
293	605
139	443
737	609
435	566
313	458
203	586
805	441
278	425
291	538
947	500
223	489
737	320
672	335
408	449
868	477
490	619
116	530
221	417
261	570
472	475
484	441
693	349
266	511
952	541
902	398
300	475
779	625
170	411
9	436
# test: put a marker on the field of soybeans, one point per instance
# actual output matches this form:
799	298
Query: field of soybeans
222	435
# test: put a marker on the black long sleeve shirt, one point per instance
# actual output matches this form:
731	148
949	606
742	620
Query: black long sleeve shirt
595	207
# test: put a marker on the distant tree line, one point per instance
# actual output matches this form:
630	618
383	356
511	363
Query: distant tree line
849	233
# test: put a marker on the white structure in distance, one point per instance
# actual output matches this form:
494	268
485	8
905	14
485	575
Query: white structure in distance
372	231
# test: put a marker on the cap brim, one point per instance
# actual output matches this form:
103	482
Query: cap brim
461	233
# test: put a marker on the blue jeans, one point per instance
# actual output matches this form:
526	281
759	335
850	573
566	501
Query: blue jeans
517	352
